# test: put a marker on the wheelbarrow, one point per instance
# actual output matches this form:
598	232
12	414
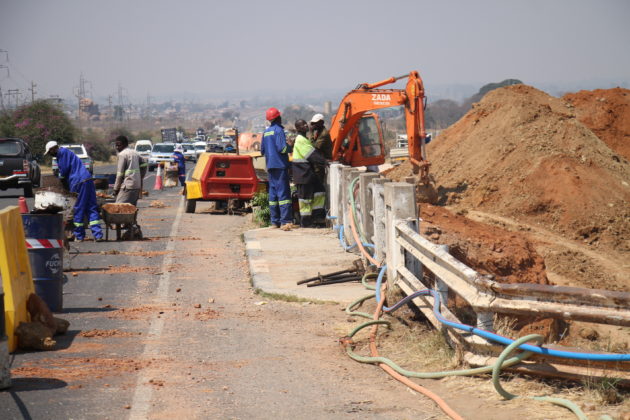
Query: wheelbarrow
116	216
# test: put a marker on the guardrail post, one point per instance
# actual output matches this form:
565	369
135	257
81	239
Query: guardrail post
347	175
366	203
378	210
412	263
485	321
440	286
334	191
400	204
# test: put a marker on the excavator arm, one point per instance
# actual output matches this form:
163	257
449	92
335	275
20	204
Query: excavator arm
352	143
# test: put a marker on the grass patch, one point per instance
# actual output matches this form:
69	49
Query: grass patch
291	298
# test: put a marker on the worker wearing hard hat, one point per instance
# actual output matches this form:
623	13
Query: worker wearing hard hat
322	142
77	179
275	149
178	156
311	193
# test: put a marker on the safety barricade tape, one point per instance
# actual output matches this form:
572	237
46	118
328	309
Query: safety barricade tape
43	243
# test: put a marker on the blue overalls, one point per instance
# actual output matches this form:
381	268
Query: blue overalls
80	182
276	152
181	167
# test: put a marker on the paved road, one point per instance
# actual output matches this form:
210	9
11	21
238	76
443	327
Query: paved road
169	327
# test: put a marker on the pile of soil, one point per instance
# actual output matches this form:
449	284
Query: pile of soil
527	157
119	208
606	112
522	153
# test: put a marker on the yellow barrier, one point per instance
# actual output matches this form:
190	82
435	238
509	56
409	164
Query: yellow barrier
17	280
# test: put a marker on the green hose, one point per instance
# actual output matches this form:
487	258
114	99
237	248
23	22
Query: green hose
496	372
502	362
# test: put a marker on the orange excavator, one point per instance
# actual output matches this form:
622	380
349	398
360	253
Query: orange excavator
356	132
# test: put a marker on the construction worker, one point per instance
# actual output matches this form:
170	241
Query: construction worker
77	179
131	170
178	155
311	192
322	142
275	149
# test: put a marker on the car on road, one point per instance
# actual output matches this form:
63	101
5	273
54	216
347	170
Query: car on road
80	151
189	152
214	147
161	152
143	148
18	166
200	147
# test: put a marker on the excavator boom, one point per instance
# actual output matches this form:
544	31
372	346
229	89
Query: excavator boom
350	134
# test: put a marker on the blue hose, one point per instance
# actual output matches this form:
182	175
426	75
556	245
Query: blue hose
492	336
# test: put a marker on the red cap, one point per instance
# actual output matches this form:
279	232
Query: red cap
272	114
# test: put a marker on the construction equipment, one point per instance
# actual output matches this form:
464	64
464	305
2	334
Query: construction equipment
229	180
356	132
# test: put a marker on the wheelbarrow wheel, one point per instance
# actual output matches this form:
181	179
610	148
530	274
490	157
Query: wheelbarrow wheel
191	205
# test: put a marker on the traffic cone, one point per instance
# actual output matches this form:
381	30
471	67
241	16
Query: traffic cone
22	205
158	179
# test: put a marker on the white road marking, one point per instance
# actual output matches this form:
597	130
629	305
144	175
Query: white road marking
141	402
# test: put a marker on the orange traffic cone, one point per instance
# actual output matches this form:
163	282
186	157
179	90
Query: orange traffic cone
22	205
158	179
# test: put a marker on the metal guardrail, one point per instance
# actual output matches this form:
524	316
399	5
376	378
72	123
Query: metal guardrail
388	214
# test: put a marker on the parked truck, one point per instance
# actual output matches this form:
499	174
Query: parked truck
18	166
169	135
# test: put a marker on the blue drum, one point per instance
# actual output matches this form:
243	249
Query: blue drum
44	241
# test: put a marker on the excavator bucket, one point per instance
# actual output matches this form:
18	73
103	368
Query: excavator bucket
426	191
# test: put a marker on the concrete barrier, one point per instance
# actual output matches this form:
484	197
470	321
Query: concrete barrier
17	280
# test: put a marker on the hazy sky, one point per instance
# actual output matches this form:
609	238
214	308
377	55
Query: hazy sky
207	46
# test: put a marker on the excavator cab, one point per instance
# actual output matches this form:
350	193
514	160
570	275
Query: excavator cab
364	145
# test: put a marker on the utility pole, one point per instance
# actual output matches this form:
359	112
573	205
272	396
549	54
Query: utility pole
1	99
16	93
33	91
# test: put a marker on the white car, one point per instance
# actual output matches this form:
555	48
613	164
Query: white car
200	147
143	148
80	151
161	152
189	152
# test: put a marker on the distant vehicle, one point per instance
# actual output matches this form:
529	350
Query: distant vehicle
214	147
79	150
161	152
144	147
200	147
249	141
189	152
169	135
18	166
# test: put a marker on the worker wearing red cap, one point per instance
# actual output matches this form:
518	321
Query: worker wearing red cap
275	149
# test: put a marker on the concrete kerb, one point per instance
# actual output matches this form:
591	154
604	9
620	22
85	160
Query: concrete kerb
278	259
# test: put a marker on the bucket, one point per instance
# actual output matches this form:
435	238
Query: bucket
44	240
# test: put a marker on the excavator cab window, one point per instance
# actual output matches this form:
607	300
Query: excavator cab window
370	137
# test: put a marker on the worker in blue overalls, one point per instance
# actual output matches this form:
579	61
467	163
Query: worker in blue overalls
78	180
275	149
178	157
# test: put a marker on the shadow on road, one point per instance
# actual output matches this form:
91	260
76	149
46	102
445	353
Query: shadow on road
31	384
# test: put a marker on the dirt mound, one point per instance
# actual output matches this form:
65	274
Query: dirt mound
509	256
523	154
606	112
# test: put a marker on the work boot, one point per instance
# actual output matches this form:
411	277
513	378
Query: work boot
289	226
